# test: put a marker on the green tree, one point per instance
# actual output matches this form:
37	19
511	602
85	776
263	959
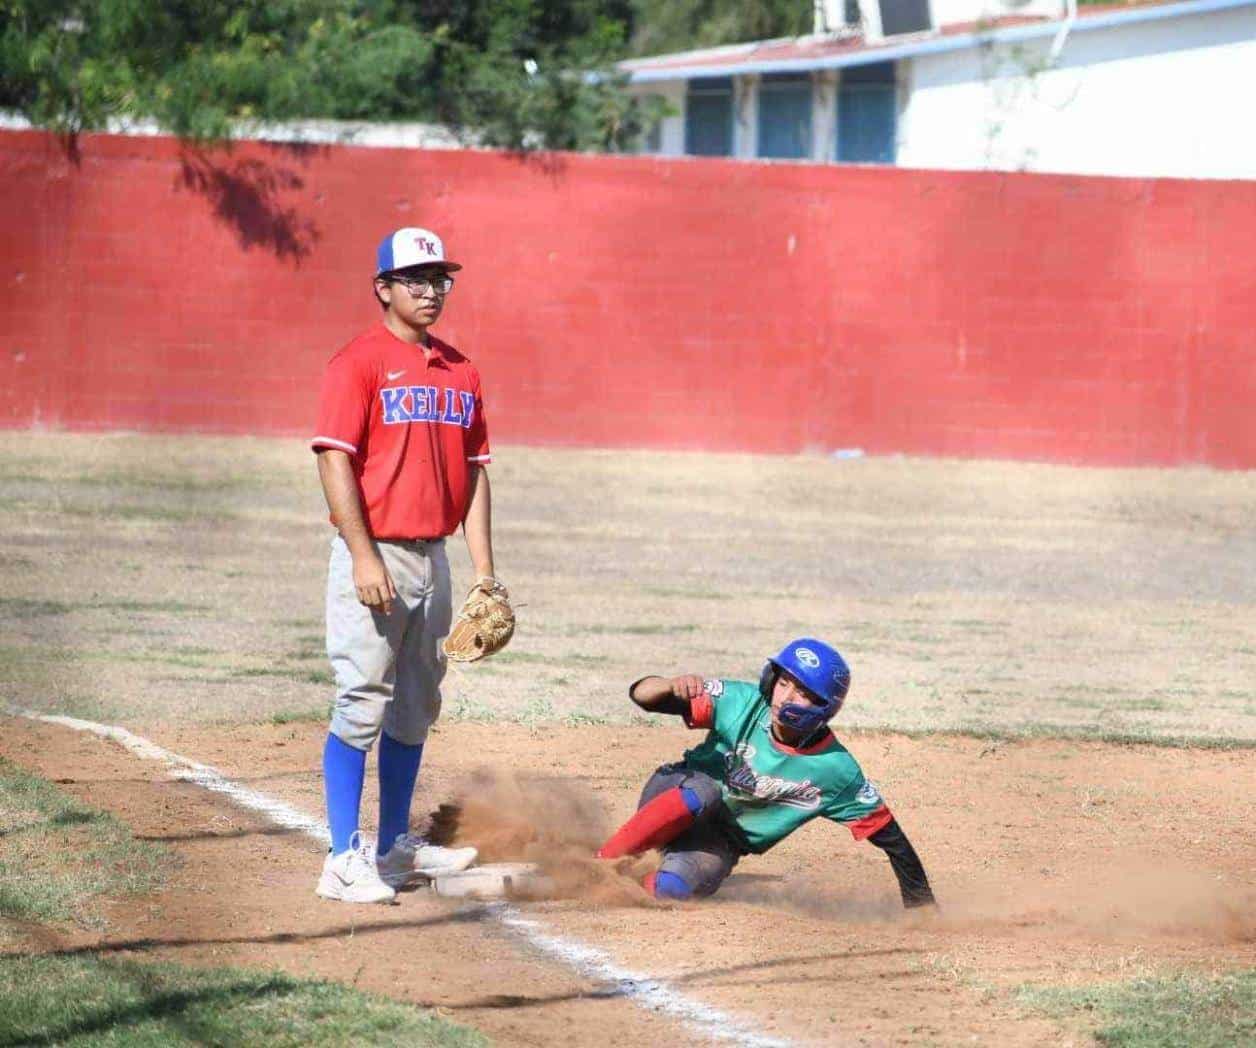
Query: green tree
661	26
516	71
503	72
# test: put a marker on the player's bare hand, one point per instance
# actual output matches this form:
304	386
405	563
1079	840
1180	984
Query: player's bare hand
688	686
373	583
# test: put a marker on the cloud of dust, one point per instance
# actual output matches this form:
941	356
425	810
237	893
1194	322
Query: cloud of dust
558	825
808	897
555	823
1151	896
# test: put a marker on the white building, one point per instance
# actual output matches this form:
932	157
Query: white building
1035	85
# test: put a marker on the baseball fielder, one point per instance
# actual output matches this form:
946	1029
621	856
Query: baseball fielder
402	445
769	765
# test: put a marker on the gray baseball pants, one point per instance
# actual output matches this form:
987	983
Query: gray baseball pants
388	668
704	855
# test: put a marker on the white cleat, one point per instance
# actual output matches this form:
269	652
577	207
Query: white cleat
412	859
351	876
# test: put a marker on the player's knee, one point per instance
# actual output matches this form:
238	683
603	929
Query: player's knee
359	722
702	871
359	736
663	884
702	793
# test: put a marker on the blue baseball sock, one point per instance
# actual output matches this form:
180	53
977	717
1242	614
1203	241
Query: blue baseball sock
398	771
344	769
668	885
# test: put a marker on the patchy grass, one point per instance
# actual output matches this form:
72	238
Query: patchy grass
641	720
177	607
27	607
91	707
65	703
292	673
467	709
93	1000
1064	733
1167	1012
309	646
638	630
64	671
536	711
582	720
150	514
314	716
57	855
116	480
1149	703
686	594
151	658
1152	604
510	657
977	626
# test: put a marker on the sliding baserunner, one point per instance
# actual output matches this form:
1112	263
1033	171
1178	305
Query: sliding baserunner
769	765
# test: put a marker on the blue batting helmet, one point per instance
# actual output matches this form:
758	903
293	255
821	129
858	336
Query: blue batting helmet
818	668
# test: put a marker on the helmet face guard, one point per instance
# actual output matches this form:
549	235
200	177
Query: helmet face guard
818	668
805	719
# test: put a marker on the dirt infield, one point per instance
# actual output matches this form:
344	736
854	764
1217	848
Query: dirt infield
1057	863
174	586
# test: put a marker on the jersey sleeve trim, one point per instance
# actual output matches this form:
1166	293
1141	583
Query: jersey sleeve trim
486	459
332	442
861	829
701	712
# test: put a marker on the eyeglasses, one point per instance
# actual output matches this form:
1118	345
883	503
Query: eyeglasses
442	284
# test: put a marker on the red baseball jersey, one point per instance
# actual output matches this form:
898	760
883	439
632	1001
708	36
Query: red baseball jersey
414	426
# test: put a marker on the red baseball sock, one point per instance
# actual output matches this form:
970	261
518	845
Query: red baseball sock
661	820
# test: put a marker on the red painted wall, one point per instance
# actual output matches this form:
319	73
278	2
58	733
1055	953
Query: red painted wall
636	301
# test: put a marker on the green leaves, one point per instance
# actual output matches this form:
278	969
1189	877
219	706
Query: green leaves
661	26
507	73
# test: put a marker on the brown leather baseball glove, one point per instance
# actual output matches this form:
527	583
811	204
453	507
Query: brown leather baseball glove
484	625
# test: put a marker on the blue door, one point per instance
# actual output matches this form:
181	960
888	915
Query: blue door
709	117
785	116
867	115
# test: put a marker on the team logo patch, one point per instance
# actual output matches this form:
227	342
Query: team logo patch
714	688
757	790
868	793
807	657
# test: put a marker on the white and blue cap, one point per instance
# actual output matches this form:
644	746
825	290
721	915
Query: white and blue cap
411	246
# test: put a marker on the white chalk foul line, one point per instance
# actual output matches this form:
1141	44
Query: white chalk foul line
651	994
201	774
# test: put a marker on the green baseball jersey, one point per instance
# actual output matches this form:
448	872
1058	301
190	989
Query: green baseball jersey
772	789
